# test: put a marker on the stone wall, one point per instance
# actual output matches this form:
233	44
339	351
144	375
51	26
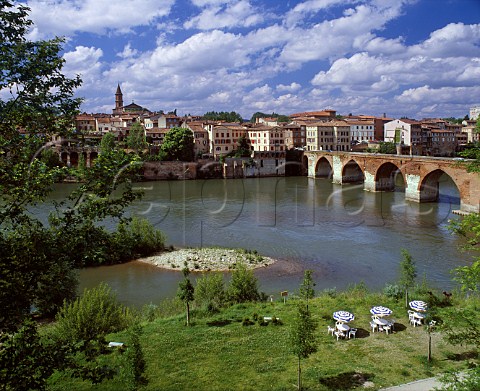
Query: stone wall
154	171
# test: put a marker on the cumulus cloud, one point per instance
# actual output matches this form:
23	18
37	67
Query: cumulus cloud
239	54
292	87
67	17
224	14
84	61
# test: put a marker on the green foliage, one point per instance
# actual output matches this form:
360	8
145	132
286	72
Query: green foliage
223	116
25	361
408	273
88	319
387	148
462	327
243	149
136	137
243	286
457	381
107	144
393	290
307	290
469	228
210	292
279	117
468	277
135	365
186	292
138	238
178	144
472	151
302	336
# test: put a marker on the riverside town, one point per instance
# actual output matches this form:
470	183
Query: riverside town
332	245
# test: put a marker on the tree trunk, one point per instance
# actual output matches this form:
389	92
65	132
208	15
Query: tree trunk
299	380
188	314
429	347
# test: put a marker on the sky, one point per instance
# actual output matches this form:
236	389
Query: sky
403	58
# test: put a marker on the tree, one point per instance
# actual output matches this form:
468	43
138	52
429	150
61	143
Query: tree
387	148
178	144
107	144
306	288
136	139
302	338
408	273
243	149
223	116
243	285
186	292
210	291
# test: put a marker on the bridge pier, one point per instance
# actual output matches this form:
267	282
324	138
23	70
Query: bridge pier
369	182
337	170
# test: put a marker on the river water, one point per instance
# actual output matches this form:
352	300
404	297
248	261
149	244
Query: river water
344	234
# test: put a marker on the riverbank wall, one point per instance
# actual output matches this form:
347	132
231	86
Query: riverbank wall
206	169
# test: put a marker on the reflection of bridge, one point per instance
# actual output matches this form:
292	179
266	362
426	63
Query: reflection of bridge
420	174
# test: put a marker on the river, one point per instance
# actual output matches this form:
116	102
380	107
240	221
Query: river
344	234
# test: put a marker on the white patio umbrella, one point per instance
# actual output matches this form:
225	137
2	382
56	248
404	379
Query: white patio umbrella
418	305
343	316
380	311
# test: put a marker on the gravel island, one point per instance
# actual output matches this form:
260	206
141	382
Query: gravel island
207	259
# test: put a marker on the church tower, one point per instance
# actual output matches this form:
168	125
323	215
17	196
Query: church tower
118	100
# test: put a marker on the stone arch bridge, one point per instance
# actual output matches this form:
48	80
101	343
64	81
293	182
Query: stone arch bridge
378	172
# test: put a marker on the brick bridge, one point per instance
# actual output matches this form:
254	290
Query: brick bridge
377	171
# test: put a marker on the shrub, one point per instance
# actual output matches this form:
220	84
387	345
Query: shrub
331	292
393	290
243	285
247	322
134	368
89	318
149	312
137	237
210	292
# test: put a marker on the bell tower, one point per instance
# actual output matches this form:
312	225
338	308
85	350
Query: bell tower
118	100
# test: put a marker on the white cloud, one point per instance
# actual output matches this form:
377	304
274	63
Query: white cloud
84	61
128	52
288	88
221	14
64	17
310	8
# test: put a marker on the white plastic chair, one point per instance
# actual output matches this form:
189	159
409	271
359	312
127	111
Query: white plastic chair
339	334
352	332
330	330
374	326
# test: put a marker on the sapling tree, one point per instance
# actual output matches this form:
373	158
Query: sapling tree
186	292
408	273
307	290
302	337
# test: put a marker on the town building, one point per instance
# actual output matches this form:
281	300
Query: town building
328	136
474	112
263	138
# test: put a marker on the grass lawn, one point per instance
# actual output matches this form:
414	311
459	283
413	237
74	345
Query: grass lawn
219	353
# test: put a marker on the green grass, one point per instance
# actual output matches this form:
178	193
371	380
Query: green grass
218	353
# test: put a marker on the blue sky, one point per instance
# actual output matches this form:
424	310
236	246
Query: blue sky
415	58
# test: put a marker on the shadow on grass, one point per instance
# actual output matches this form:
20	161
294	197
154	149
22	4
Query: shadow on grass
462	356
219	323
362	333
399	327
346	380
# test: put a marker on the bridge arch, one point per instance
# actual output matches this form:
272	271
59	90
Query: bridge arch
386	175
429	189
352	172
323	168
